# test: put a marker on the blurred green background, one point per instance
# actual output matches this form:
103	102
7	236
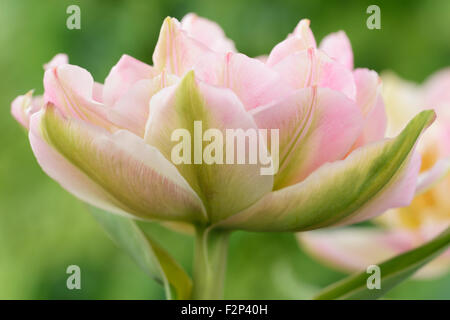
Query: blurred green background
43	229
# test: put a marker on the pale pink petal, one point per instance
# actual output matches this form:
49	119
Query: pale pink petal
314	68
368	89
97	92
316	125
176	52
301	39
370	101
207	32
375	124
70	89
337	46
253	82
122	76
131	110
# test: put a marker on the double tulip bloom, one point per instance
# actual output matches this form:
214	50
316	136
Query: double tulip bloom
110	144
428	214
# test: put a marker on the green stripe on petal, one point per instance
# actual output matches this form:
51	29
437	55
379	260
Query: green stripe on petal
371	180
135	177
224	188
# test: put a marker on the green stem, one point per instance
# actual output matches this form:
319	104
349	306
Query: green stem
210	256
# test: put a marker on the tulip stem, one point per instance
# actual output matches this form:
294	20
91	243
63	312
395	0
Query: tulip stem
210	257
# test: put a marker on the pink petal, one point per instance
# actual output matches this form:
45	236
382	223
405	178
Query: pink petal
370	101
207	32
301	39
314	68
131	110
310	121
337	46
176	52
70	89
253	82
122	76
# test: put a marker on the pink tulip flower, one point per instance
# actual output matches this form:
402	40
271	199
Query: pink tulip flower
110	144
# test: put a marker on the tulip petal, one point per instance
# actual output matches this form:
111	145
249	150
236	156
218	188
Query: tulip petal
175	51
122	76
312	67
70	88
301	39
372	179
131	110
251	80
337	46
117	172
370	101
207	32
224	188
306	120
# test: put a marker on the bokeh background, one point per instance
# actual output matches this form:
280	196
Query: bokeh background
43	229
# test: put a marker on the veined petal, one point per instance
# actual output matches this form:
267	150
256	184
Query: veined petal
116	172
370	180
131	110
175	51
70	89
251	80
207	32
301	39
337	46
122	76
314	68
317	125
224	188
